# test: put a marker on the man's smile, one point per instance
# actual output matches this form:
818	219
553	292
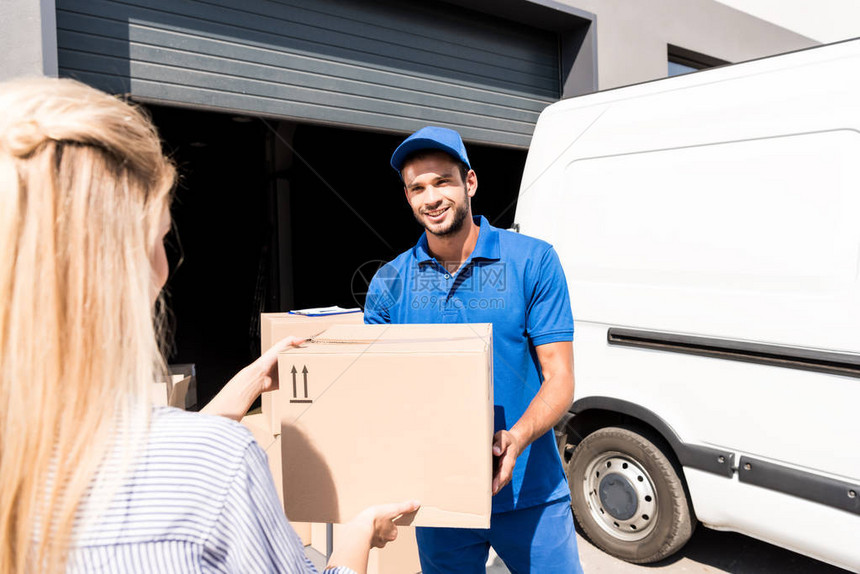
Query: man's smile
436	214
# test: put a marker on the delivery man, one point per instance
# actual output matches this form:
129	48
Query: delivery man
463	270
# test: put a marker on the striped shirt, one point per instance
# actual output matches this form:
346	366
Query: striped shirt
200	498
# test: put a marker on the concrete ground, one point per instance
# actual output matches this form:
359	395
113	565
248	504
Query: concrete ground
708	552
711	552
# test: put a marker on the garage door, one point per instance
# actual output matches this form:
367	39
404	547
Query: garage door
383	65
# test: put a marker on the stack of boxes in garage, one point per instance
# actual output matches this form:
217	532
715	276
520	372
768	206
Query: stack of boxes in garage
178	389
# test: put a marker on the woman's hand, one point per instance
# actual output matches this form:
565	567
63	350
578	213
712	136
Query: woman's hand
383	520
261	376
373	527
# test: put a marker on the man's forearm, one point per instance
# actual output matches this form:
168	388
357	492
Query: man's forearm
554	397
551	403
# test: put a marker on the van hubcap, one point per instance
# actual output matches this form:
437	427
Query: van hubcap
621	496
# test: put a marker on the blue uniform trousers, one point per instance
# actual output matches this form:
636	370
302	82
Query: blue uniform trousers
539	539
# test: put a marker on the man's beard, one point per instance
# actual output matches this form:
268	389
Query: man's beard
457	221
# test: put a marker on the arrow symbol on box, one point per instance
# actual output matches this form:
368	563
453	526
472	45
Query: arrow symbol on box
305	375
295	390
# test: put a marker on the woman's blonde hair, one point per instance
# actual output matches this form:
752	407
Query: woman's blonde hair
83	186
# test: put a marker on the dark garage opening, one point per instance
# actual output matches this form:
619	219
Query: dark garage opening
221	233
345	210
356	213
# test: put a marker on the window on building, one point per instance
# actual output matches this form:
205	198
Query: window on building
683	61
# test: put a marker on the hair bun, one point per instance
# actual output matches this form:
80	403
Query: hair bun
21	138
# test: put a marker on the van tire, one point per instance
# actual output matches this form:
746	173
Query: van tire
628	496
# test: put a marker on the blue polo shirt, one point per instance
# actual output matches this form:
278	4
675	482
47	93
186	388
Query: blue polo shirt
516	283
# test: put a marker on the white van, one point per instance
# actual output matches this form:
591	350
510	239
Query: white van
709	227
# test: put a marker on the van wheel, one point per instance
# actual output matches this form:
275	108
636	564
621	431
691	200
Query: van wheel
628	496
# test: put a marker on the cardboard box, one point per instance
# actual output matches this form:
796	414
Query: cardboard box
276	326
179	391
386	413
271	444
172	392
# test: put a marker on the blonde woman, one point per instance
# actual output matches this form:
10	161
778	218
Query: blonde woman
91	477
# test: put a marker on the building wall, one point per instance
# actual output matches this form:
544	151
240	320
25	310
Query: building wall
632	36
28	38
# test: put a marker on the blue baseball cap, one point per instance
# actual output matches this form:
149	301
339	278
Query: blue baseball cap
431	137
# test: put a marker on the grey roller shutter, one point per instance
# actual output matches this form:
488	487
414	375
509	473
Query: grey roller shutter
383	65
